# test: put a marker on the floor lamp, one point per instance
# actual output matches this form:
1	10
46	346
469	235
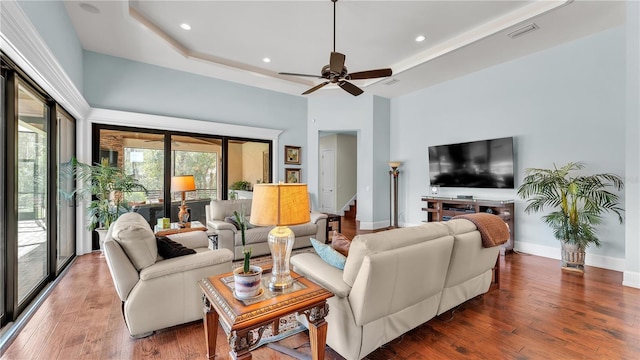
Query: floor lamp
393	196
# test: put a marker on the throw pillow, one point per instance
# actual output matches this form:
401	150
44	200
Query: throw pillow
330	256
232	220
340	243
168	248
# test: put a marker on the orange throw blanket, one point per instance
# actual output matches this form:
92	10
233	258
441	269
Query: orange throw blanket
492	228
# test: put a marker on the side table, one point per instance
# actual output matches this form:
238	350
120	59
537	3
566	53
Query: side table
245	321
332	219
174	228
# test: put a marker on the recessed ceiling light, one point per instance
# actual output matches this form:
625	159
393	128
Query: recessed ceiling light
89	8
185	26
267	60
420	38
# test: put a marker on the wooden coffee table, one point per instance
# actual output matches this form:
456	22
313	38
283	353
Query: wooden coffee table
244	321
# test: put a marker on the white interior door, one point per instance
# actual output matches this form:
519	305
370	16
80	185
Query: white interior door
328	180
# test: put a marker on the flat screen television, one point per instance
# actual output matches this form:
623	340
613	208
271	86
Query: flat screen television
476	164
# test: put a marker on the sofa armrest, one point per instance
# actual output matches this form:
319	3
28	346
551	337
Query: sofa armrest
315	269
316	216
186	263
191	239
221	225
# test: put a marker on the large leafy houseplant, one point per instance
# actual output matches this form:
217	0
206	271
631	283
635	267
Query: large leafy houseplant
107	187
578	202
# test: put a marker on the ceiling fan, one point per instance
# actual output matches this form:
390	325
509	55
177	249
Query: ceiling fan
336	72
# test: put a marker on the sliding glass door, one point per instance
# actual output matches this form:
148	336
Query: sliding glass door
66	205
3	206
153	156
32	181
37	215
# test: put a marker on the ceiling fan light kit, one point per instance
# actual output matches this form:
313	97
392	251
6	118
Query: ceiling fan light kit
336	72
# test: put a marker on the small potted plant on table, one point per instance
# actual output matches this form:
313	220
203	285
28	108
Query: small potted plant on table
248	278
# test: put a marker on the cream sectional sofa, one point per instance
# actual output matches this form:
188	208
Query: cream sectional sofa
395	280
229	237
157	293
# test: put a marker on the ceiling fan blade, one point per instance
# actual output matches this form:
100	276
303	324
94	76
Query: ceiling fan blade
295	74
336	62
315	88
370	74
350	88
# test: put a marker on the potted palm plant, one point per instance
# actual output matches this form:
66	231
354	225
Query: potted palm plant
107	187
578	203
248	278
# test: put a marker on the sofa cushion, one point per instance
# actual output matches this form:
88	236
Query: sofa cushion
257	235
363	245
168	248
304	229
220	209
341	243
137	240
328	254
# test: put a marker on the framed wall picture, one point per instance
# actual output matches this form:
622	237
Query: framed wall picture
292	155
292	175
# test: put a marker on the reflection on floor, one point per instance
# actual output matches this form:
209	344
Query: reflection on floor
32	255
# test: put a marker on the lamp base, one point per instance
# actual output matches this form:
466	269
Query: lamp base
281	240
183	216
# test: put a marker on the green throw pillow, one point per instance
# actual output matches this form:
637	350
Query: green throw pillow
328	254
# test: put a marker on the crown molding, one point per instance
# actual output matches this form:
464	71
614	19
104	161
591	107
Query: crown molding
22	43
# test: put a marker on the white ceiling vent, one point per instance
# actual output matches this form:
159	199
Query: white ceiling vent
391	82
523	30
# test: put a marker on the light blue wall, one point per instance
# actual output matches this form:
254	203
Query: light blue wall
120	84
339	111
54	26
381	145
562	104
632	265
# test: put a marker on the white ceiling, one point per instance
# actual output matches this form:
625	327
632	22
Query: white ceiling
229	39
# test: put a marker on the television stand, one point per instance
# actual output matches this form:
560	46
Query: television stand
444	208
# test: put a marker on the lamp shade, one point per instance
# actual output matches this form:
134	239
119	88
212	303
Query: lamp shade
395	164
280	204
183	183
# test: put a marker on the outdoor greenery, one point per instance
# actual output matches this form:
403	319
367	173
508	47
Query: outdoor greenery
202	165
578	201
107	186
240	185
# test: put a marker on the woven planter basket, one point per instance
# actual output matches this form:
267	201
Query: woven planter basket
573	257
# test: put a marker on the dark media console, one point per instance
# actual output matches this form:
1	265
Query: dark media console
444	208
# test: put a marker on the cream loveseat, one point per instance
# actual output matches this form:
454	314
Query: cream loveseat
229	237
158	293
395	280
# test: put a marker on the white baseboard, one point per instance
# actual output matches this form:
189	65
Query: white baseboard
631	279
374	225
605	262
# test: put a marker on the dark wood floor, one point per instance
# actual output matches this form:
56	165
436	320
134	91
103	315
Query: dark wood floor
539	312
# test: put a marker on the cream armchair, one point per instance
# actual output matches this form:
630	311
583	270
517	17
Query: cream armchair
229	237
158	293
